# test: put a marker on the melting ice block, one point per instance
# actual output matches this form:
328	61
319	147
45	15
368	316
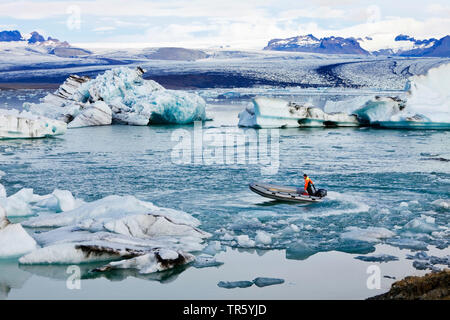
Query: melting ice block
154	261
119	95
15	125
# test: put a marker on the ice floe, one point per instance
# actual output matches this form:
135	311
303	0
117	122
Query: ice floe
370	234
119	95
19	125
235	284
377	258
122	231
259	282
206	261
264	282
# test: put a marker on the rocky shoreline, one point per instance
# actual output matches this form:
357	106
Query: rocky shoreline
432	286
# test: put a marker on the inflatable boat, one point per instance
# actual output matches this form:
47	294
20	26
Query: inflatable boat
291	194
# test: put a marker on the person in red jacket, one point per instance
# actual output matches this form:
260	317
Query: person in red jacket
308	185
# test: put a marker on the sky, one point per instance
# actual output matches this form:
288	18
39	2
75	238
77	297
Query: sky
246	24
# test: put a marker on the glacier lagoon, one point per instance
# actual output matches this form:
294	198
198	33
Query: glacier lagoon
388	180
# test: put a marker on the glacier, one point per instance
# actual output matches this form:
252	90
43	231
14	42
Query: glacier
120	95
425	105
16	125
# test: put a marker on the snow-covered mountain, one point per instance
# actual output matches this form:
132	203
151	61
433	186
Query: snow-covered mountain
309	43
34	41
401	45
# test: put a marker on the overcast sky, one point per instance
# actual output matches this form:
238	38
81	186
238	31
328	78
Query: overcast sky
212	23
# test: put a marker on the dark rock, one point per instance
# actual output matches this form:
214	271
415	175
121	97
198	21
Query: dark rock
432	286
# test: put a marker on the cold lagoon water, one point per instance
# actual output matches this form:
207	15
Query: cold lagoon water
384	188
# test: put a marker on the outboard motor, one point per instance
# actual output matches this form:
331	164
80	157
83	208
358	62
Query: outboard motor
320	193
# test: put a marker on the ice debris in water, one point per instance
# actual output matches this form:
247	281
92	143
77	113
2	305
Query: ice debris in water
14	240
264	282
259	282
235	284
424	224
370	234
441	203
124	231
299	251
377	258
24	202
206	261
407	243
119	95
15	125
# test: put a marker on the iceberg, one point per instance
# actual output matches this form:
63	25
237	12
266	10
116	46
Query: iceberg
278	113
426	105
370	234
19	125
119	95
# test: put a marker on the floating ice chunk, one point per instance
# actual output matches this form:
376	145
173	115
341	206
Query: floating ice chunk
15	124
235	284
418	256
206	261
403	204
154	261
441	203
244	241
263	237
14	240
213	248
424	265
406	243
96	114
264	282
371	234
64	199
15	206
424	224
377	258
227	237
294	228
299	251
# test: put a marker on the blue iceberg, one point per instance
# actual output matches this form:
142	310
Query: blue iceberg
119	95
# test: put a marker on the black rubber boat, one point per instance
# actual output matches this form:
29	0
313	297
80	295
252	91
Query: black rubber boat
291	194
